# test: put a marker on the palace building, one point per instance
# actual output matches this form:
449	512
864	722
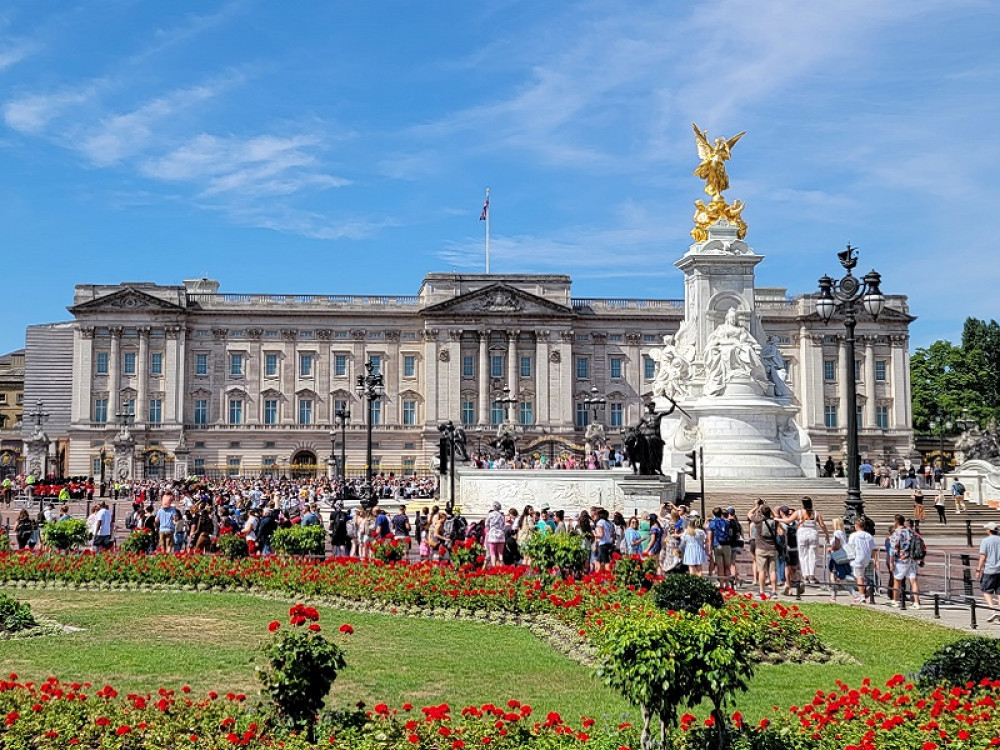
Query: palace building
224	383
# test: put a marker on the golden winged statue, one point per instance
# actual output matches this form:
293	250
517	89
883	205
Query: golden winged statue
713	161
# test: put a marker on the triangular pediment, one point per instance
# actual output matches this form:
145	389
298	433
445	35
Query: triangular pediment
128	299
498	300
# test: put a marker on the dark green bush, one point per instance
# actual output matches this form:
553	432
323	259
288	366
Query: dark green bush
636	571
960	662
14	615
687	593
564	553
64	535
300	540
138	542
232	546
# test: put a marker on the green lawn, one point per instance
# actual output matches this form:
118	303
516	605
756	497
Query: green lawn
141	641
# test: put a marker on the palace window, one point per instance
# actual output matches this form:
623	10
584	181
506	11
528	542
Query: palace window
199	466
270	365
233	466
271	411
882	417
829	369
201	411
101	410
527	412
617	415
880	370
306	366
376	361
468	412
102	363
582	415
526	367
376	412
201	364
830	415
648	368
236	365
409	366
155	410
409	413
496	414
857	370
496	365
235	411
468	366
305	411
129	363
339	405
615	368
156	363
582	368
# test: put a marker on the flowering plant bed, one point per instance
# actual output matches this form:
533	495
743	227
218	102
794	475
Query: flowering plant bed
425	588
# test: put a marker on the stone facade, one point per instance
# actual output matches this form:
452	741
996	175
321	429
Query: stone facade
250	382
11	411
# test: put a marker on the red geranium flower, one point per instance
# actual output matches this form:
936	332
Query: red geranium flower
346	629
274	625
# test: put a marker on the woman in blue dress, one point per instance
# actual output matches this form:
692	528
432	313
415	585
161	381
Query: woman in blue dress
693	546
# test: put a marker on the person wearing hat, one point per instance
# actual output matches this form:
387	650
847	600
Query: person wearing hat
989	567
494	535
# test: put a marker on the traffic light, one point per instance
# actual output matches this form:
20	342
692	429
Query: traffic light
443	450
691	467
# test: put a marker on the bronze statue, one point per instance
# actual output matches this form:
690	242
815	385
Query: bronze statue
713	161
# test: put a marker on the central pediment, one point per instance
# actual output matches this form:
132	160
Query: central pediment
498	300
128	299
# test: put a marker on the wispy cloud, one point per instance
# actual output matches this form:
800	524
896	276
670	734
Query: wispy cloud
33	113
14	52
252	167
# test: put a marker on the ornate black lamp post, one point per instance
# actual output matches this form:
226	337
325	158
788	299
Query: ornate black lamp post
845	294
453	440
506	401
343	416
369	386
595	403
941	425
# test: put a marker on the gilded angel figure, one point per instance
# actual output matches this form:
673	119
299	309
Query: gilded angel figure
713	161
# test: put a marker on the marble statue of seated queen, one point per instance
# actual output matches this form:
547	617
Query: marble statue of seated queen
733	355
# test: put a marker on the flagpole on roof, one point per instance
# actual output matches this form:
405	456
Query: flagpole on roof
485	216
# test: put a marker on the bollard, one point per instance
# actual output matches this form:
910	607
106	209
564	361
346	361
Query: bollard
968	532
967	575
937	607
902	594
798	591
972	612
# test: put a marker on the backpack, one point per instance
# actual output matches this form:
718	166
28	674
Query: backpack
918	550
735	533
959	488
454	529
131	520
720	531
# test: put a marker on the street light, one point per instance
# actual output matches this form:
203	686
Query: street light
942	425
845	294
506	401
343	416
369	386
452	442
595	403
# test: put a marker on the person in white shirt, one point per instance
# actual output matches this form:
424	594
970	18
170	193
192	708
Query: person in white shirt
862	566
102	528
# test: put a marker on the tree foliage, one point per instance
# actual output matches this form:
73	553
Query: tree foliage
948	379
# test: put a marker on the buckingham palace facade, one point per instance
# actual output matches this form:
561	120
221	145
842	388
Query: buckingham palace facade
251	383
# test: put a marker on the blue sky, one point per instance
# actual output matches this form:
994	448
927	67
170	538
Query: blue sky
343	147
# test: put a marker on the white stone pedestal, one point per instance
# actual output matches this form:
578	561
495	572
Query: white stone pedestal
748	437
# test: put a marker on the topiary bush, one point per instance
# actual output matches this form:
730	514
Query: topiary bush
561	553
686	593
15	616
300	540
233	546
965	660
65	535
638	572
138	542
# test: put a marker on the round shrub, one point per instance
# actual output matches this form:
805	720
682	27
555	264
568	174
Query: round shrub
300	540
138	542
14	615
64	535
965	660
687	593
233	546
636	571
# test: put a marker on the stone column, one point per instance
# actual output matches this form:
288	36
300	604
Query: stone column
542	389
842	383
803	387
512	370
171	366
635	376
180	374
484	377
564	414
431	365
289	372
142	377
899	381
870	400
115	372
84	341
453	367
